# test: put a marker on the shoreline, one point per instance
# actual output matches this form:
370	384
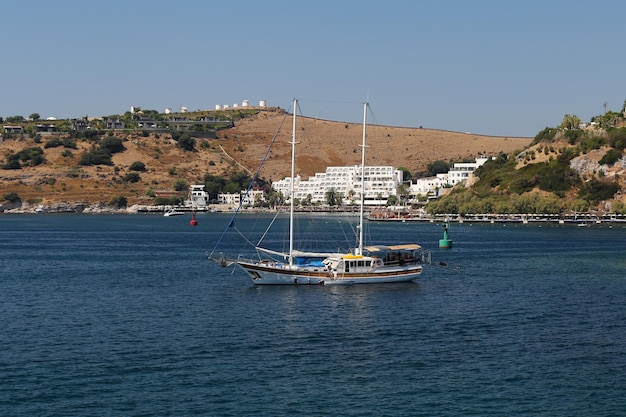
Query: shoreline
580	219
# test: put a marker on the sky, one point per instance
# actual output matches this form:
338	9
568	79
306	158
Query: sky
502	68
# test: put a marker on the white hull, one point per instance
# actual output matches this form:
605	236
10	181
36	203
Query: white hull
172	213
285	275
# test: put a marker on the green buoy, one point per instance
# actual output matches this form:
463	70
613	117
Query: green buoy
445	243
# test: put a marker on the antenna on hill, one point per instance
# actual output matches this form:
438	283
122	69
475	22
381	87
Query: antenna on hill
605	104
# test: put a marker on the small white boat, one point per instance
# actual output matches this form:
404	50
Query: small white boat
172	212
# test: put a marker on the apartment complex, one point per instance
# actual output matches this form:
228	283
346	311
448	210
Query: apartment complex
380	183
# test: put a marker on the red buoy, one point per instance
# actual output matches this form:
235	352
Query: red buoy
193	221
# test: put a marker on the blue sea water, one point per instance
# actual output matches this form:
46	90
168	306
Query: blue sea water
123	315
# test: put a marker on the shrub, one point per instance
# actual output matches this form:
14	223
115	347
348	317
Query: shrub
611	157
29	156
546	135
132	177
180	185
118	201
69	143
573	136
138	166
557	178
187	143
13	162
11	197
96	157
595	191
112	144
53	143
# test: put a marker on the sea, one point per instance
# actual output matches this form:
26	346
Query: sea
124	315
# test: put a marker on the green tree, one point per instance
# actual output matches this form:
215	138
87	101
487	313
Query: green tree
275	199
187	143
611	157
11	197
333	197
402	192
118	201
351	195
213	185
608	120
96	156
112	144
406	174
570	122
437	167
595	190
34	116
15	119
546	135
180	185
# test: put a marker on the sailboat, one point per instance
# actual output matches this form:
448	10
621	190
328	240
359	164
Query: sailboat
362	265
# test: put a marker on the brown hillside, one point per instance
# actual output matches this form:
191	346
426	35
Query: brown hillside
322	143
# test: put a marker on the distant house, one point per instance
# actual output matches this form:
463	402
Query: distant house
80	125
13	129
459	173
228	198
114	123
428	184
199	196
46	127
253	196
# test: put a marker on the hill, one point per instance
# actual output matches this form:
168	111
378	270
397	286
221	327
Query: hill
62	179
564	170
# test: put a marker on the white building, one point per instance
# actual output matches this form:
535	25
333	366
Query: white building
232	199
428	184
380	183
252	197
235	199
199	196
459	173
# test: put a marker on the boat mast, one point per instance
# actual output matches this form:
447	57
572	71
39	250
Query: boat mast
291	187
360	249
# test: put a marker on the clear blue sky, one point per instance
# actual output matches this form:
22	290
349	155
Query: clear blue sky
501	67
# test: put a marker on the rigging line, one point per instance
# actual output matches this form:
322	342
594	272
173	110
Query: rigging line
268	228
231	222
243	236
